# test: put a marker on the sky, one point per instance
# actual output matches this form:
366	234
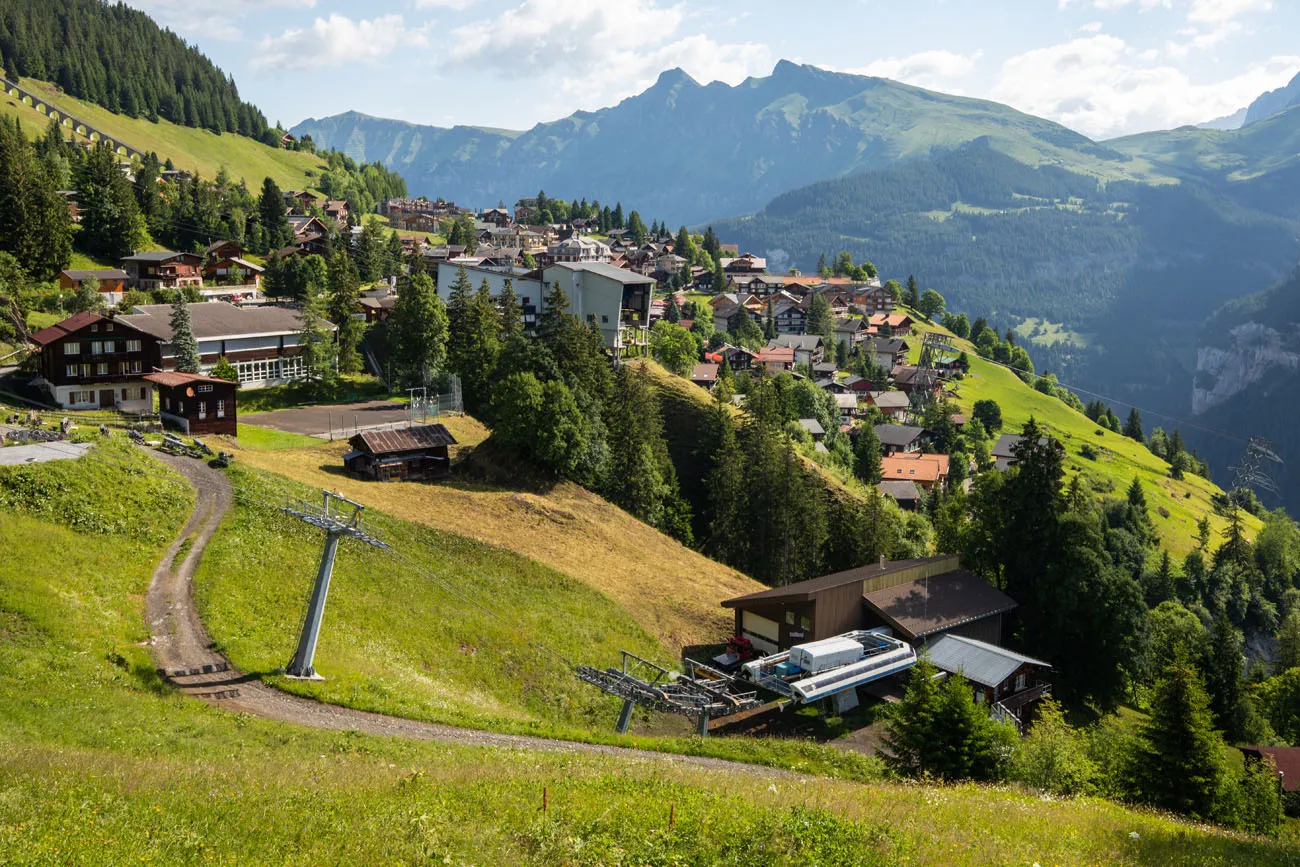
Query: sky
1102	67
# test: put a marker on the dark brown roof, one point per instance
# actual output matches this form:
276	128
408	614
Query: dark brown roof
75	323
805	590
1287	760
99	273
382	442
172	378
925	606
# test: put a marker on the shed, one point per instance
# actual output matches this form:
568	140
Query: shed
1000	677
414	453
814	427
196	404
705	375
904	492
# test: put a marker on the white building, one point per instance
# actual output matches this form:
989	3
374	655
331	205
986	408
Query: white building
527	291
580	249
614	300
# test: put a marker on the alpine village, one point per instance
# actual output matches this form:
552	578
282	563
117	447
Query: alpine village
350	519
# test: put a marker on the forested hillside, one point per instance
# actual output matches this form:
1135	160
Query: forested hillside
119	58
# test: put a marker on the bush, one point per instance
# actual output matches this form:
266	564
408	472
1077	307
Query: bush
1053	757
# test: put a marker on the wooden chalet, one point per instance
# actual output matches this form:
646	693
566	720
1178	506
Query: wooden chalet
405	454
196	404
1007	682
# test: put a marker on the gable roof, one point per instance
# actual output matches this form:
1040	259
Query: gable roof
159	256
380	442
812	425
214	319
902	491
803	591
618	275
173	378
705	373
776	355
925	606
75	323
807	342
977	661
916	467
897	434
1286	759
890	399
97	273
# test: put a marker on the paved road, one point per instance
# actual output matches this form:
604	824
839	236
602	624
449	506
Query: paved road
343	419
39	453
182	649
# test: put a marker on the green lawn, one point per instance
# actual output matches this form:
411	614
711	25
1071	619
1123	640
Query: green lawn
1175	506
267	439
1040	332
190	149
101	762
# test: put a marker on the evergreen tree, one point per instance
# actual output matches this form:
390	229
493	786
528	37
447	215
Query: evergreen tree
319	352
866	455
276	232
1181	765
512	318
395	254
371	252
674	312
419	331
1133	426
820	321
111	225
344	292
460	339
637	228
728	535
184	347
1222	667
478	349
912	295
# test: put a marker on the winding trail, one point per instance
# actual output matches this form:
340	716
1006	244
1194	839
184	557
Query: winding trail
183	652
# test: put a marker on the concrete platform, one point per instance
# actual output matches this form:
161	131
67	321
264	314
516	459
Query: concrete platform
39	453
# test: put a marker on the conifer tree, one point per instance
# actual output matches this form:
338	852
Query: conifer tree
460	344
674	312
1222	667
111	225
276	232
512	321
344	294
1181	764
912	295
728	534
866	455
320	354
1133	426
820	320
420	330
184	347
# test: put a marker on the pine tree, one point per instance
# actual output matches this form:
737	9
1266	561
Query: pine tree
420	330
1222	667
111	225
184	347
1181	764
320	355
728	534
1133	426
512	320
344	294
485	341
393	259
866	455
460	339
820	321
276	232
912	295
674	312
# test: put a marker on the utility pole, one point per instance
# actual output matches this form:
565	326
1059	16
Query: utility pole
336	526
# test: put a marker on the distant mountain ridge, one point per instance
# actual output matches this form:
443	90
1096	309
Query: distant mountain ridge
686	152
1274	101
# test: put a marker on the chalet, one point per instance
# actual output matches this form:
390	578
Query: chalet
163	270
409	222
925	471
305	227
814	428
892	404
443	253
74	209
224	249
886	353
233	271
834	386
905	493
870	300
615	301
112	281
789	316
746	263
1003	451
263	343
891	324
1286	762
1005	681
90	361
851	330
825	368
705	375
300	200
738	357
808	348
776	359
857	384
847	406
196	404
497	217
726	310
286	140
336	210
578	249
409	454
917	600
377	309
896	438
910	379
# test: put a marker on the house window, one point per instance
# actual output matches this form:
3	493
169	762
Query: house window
789	618
133	346
72	370
180	407
221	409
108	326
97	347
203	389
85	370
73	348
102	368
1020	681
95	327
123	367
167	403
805	623
135	367
203	409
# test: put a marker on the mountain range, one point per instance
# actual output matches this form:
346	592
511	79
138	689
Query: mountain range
1131	244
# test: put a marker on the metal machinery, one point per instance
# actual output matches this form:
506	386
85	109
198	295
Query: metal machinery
936	348
701	693
810	672
335	526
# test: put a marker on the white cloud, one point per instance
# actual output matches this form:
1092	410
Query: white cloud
454	5
925	69
1112	5
1091	27
1102	87
335	40
216	19
596	51
1221	11
1194	39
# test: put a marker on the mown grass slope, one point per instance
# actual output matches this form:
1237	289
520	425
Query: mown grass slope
1175	505
672	592
100	762
194	150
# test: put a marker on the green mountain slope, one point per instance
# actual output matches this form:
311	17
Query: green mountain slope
763	137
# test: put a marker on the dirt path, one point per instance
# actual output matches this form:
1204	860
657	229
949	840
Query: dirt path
182	649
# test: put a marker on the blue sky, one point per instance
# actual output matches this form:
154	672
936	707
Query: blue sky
1102	67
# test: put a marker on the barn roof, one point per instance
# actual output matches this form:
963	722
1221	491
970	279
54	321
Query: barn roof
977	661
383	442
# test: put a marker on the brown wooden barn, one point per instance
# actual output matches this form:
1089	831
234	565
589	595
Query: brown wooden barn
196	404
414	453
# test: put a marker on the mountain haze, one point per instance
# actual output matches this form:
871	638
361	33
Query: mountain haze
687	153
1274	101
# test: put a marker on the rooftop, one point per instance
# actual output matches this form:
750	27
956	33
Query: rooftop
977	661
172	378
157	256
929	605
902	491
381	442
214	319
803	591
98	273
610	272
897	434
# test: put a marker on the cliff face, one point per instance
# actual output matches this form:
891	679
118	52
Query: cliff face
1251	351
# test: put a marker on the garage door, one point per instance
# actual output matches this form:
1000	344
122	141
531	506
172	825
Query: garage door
759	625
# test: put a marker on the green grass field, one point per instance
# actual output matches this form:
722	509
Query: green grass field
1040	332
267	439
102	763
1175	506
190	149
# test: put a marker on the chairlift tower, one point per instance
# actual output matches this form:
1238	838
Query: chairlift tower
935	348
336	525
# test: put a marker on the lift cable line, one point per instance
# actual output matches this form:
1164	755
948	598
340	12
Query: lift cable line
336	526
